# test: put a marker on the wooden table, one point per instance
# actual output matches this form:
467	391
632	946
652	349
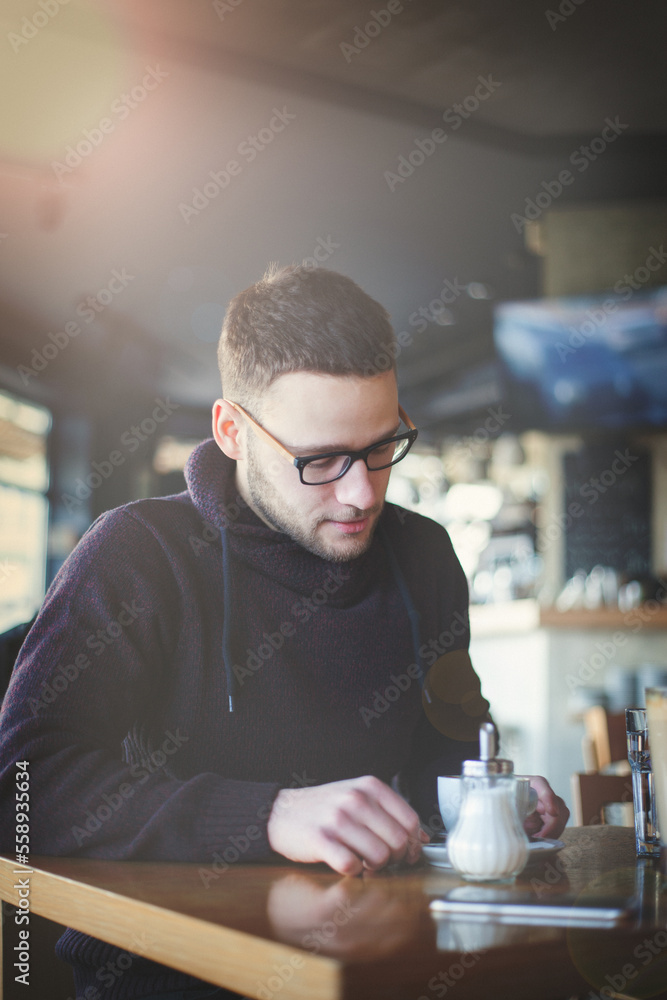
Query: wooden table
303	932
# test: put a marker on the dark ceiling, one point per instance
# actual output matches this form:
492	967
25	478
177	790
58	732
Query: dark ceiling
362	86
561	73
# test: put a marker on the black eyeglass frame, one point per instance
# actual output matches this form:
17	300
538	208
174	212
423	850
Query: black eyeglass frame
302	461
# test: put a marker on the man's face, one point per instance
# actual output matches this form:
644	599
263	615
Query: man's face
311	413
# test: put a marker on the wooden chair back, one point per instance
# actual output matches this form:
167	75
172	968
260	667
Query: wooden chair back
592	792
606	732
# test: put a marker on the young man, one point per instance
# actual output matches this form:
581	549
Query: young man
266	658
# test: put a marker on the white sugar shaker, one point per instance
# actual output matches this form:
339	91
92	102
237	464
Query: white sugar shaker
488	842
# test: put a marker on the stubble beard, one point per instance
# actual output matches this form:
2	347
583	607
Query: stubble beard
272	508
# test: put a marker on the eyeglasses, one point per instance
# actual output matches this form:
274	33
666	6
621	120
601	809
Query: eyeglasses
316	470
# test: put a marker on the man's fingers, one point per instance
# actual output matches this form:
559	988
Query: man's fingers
346	824
368	829
550	807
396	806
550	827
532	824
363	838
340	858
405	834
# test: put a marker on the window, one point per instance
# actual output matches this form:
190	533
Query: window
24	508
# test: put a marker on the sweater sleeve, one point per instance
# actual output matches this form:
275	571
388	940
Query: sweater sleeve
89	671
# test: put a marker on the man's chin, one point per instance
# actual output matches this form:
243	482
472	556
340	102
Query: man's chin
337	546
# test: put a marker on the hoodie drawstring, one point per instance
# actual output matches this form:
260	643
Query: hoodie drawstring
406	597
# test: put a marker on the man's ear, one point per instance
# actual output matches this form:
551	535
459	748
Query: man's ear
226	428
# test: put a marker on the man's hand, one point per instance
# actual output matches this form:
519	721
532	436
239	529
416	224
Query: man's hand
350	825
551	814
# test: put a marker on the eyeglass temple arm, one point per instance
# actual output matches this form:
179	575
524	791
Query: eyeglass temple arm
406	419
277	445
262	433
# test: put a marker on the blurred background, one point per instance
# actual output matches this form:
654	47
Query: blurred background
493	174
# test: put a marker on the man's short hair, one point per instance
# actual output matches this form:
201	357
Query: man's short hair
300	318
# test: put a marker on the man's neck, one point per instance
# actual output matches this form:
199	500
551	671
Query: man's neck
242	489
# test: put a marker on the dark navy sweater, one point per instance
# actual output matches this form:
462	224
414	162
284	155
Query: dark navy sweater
120	694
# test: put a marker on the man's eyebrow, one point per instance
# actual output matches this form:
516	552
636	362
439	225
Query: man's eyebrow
319	449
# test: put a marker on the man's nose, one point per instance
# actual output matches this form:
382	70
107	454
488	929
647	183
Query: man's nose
356	487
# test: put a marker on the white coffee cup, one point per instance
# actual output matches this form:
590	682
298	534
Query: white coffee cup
449	798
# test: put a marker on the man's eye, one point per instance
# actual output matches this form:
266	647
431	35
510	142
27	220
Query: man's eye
384	450
324	463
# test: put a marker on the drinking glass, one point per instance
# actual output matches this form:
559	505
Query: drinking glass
647	840
656	714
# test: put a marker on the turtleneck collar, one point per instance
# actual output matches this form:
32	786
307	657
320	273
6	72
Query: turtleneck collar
210	477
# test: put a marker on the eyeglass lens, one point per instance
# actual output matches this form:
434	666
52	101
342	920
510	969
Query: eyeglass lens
326	469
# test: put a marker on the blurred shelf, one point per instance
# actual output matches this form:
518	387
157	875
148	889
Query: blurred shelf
504	618
645	616
527	616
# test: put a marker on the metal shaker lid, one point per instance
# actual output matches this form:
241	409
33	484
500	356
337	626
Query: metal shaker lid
488	764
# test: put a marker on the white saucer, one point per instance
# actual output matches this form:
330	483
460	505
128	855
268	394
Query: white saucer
436	854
